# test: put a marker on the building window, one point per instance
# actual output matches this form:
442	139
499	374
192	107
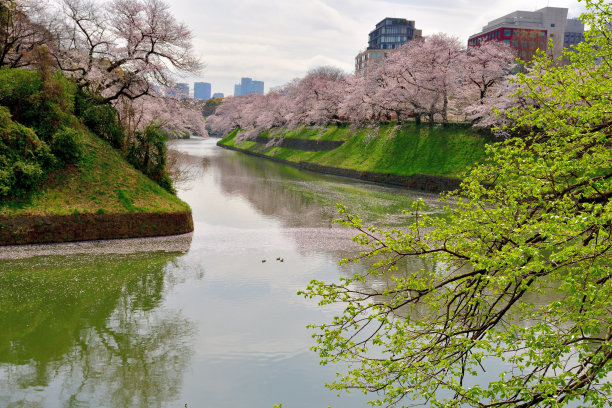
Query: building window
507	42
507	33
552	25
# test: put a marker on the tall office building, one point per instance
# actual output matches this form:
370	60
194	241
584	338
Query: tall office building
218	95
248	86
528	31
389	34
201	90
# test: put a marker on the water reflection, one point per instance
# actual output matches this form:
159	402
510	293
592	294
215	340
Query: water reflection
121	323
305	199
90	332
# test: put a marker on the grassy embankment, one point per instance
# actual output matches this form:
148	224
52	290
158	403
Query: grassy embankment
61	182
101	183
404	151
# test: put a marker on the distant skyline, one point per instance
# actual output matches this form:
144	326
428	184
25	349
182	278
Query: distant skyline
278	40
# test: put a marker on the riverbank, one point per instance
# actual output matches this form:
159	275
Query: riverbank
416	157
101	197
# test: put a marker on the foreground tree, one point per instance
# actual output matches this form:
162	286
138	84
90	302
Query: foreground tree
521	274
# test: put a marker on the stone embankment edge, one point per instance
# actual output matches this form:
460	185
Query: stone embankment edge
424	182
21	230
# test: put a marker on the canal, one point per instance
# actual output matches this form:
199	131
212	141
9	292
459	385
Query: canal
210	319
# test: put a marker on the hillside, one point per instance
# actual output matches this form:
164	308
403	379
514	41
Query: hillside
390	154
103	182
61	182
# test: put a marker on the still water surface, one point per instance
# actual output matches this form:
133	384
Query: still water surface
197	320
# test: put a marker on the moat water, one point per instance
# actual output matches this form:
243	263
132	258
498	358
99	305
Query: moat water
210	319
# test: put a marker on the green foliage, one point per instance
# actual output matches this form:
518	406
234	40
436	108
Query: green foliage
66	146
210	106
102	119
23	157
43	105
147	152
403	150
518	274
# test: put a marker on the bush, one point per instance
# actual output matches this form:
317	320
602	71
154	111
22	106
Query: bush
66	147
103	121
44	106
147	152
27	175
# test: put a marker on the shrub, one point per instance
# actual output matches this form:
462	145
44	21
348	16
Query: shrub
147	152
103	121
66	147
44	106
27	176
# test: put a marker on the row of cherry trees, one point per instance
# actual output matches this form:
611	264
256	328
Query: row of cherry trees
434	79
123	52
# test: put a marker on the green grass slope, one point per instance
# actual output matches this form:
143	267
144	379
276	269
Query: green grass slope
103	182
400	150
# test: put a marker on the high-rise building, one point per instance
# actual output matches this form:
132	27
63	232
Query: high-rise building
528	31
389	34
248	86
218	95
201	90
392	33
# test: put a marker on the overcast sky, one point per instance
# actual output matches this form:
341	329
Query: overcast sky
277	40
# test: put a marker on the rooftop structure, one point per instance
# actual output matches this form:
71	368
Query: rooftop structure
528	31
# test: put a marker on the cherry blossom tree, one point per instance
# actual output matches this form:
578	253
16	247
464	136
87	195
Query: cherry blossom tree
122	48
427	72
227	117
486	66
24	26
316	97
173	116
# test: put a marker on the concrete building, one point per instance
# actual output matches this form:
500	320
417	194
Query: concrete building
218	95
574	32
389	34
201	90
248	86
528	31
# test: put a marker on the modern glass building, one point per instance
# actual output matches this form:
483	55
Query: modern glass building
201	90
389	34
248	86
218	95
392	33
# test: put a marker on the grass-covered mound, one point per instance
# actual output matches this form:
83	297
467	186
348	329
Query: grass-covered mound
54	167
389	149
102	182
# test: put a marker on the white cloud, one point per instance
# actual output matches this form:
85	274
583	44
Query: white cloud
278	40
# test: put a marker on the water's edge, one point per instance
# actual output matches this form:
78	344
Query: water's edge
424	182
22	230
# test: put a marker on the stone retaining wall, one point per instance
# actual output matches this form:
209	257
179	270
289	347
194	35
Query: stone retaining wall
418	181
85	227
